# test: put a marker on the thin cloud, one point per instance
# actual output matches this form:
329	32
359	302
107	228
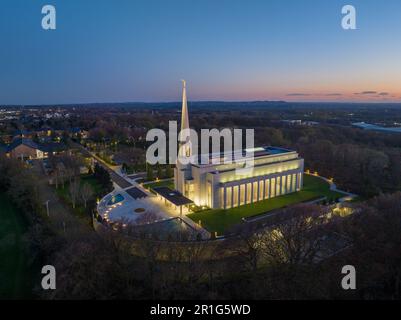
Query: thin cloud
298	95
383	94
365	92
333	94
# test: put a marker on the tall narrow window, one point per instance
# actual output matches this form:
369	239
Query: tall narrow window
278	186
235	196
299	181
229	197
242	194
261	189
255	191
294	183
209	194
222	198
288	184
273	187
267	188
248	193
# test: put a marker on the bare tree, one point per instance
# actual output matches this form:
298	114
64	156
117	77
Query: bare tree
60	173
249	247
72	166
74	188
86	193
297	240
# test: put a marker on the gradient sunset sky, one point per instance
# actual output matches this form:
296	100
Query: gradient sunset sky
138	50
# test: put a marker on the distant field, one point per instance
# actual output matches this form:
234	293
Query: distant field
15	276
220	220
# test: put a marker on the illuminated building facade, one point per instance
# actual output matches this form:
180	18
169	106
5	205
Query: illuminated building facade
275	172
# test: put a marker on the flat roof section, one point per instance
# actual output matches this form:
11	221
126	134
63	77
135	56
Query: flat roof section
173	196
136	193
257	152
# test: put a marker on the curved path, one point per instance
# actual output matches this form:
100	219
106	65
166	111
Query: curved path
333	187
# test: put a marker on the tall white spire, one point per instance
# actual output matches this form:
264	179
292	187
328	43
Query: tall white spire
184	111
185	146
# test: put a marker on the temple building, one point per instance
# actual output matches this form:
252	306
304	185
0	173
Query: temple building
276	172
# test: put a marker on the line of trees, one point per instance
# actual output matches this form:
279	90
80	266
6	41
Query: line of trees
365	163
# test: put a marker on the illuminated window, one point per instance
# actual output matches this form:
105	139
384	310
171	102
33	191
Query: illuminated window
248	193
235	196
255	191
299	180
288	184
209	194
273	188
242	194
229	195
283	185
294	182
278	186
222	198
261	190
267	188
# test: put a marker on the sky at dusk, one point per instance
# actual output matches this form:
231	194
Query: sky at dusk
138	50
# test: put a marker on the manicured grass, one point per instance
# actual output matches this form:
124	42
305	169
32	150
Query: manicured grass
220	220
15	275
165	183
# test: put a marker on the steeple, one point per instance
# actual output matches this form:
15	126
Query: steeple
182	170
184	111
186	150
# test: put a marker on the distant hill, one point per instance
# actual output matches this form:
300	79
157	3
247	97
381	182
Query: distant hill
220	105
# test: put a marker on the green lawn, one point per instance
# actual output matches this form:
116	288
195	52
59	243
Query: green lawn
15	275
165	183
220	220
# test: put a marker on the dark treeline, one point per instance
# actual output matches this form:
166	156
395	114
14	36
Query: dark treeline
257	265
363	162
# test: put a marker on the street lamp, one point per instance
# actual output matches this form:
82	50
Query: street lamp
47	207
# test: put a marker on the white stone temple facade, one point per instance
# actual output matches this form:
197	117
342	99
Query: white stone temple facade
276	172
